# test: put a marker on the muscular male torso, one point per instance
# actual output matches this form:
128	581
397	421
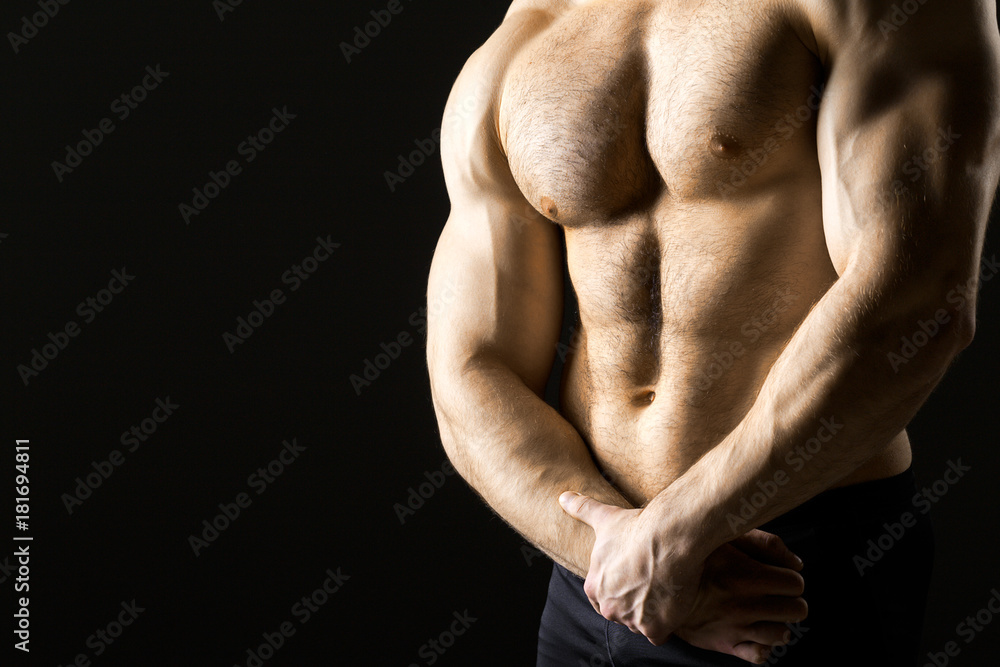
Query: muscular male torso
674	141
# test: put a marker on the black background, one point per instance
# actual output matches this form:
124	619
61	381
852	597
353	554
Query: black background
324	175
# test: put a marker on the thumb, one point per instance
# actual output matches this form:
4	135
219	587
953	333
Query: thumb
585	508
767	548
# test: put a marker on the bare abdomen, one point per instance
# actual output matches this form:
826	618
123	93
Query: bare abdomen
680	322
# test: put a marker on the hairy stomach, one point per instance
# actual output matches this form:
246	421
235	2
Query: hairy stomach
645	435
683	311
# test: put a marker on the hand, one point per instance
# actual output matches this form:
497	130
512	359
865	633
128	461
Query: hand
749	590
736	602
637	577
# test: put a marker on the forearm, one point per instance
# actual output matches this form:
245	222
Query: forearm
519	454
830	402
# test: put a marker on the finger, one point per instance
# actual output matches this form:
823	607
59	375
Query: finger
771	580
585	508
589	591
767	548
752	652
654	635
778	609
769	633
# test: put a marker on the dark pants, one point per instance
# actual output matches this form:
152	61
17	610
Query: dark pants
868	553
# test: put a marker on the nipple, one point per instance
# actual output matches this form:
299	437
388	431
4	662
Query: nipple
650	396
548	207
724	146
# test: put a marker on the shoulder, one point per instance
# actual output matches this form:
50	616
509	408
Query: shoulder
470	141
888	28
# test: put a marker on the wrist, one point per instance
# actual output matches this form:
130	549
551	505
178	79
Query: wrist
675	530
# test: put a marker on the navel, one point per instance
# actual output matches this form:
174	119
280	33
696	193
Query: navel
548	207
644	399
725	146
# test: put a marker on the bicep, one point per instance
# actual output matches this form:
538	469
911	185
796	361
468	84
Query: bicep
495	290
907	138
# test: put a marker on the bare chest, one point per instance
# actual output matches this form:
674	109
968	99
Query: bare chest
620	105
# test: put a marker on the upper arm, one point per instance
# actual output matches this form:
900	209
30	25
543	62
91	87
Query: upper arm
908	136
495	285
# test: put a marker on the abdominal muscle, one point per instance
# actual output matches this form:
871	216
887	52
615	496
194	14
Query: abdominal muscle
668	139
679	328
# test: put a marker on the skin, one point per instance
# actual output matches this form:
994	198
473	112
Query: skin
747	255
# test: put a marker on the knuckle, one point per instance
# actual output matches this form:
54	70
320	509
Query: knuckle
657	639
651	632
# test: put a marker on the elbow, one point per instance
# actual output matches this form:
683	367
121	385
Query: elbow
448	387
965	332
931	334
448	429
